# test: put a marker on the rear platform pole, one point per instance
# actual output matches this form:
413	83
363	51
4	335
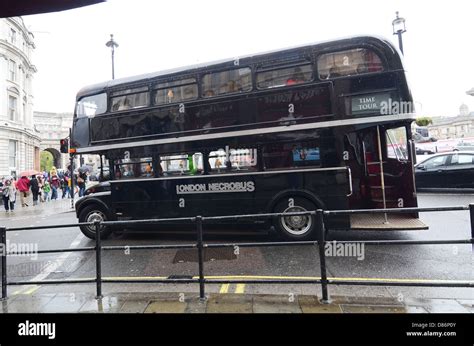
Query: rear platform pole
382	178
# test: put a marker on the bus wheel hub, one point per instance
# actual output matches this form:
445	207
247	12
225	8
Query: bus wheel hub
296	224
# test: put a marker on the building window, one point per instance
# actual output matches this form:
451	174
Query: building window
12	71
12	36
12	153
12	107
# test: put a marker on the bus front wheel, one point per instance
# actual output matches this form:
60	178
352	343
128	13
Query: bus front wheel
296	227
93	213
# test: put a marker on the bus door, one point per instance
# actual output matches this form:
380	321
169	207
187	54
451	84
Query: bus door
388	173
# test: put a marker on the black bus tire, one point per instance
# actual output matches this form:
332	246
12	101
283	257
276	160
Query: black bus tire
93	213
295	227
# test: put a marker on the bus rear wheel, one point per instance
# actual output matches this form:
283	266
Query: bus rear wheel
296	227
94	213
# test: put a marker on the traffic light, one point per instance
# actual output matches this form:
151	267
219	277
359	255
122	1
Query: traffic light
64	145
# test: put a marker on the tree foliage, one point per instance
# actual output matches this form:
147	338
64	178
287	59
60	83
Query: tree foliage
46	161
424	121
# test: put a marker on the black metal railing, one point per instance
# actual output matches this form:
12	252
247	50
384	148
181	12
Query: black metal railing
321	242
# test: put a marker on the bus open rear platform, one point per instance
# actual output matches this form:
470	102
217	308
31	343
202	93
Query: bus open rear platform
396	222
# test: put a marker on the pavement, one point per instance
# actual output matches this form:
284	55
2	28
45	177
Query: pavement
69	298
173	302
43	208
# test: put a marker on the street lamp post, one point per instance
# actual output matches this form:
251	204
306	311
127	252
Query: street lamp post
398	29
112	44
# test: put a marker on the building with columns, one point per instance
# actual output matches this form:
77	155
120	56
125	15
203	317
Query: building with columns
19	141
53	127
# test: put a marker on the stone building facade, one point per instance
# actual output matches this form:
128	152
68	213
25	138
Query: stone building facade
52	128
19	140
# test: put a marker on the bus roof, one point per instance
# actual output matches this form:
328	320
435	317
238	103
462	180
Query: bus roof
381	43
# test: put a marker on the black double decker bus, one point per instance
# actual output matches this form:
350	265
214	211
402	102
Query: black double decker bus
325	125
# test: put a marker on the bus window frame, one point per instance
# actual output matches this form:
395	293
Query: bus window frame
220	70
154	88
375	50
105	111
282	67
111	96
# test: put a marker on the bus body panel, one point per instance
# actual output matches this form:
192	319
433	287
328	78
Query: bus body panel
352	133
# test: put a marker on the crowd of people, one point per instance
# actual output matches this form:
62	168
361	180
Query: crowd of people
43	187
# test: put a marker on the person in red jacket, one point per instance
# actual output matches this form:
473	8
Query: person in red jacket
23	186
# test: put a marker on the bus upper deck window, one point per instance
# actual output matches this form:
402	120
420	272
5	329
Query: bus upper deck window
349	62
226	82
129	99
284	76
90	106
176	91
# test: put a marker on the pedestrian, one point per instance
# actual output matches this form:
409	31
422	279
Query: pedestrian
40	186
46	191
34	189
55	183
65	186
5	195
9	195
23	185
81	183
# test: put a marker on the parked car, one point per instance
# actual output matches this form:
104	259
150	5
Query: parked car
463	146
423	151
421	139
446	171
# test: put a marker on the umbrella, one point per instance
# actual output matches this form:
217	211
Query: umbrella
85	168
29	173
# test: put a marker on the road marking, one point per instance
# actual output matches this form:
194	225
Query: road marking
31	290
250	277
59	261
224	288
240	288
19	291
27	290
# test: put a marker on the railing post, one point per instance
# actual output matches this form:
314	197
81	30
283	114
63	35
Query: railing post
471	213
322	255
3	241
202	293
98	259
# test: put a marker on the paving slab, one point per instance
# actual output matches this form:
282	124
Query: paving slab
379	309
65	303
166	306
105	304
437	305
131	306
195	305
312	305
275	304
26	304
229	303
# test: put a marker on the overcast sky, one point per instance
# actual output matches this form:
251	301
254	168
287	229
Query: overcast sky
155	35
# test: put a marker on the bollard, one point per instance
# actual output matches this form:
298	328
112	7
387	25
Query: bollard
202	293
3	241
98	260
471	214
322	255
